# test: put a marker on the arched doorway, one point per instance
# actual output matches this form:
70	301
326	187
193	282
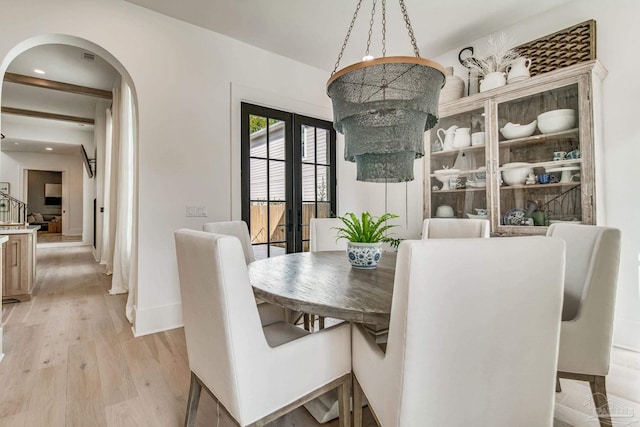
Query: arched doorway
112	157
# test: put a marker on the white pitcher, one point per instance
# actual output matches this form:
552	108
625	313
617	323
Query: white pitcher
462	138
518	70
449	135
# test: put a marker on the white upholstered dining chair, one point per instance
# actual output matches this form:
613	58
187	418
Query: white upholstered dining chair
269	313
323	235
472	346
256	373
454	228
593	258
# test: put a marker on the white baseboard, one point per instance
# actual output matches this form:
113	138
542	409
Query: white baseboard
626	334
156	319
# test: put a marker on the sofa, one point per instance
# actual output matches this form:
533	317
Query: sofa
43	220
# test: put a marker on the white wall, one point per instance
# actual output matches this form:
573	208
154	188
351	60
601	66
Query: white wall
617	33
15	163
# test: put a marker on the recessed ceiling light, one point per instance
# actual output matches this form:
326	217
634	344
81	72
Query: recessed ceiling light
38	71
16	143
49	149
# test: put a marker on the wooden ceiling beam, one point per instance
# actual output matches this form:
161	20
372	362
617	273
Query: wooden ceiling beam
44	115
51	84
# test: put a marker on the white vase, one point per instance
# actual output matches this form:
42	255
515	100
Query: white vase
364	255
453	87
492	81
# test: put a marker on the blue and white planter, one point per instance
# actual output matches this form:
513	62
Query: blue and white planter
364	255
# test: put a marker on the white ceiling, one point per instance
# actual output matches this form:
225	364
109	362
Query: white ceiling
61	63
312	31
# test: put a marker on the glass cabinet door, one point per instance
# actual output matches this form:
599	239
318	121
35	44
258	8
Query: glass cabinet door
539	160
458	173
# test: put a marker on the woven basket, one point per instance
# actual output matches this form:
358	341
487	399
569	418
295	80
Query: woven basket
561	49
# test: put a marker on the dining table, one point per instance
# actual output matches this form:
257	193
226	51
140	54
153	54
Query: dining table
324	283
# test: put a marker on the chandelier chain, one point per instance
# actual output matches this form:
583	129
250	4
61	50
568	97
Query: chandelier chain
373	14
384	28
403	8
346	39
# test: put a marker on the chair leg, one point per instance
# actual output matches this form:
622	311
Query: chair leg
599	390
357	402
308	321
320	322
558	387
344	398
194	399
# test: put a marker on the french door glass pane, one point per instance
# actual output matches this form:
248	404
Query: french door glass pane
276	139
308	147
258	219
322	146
323	210
258	131
277	180
308	183
258	188
277	223
322	186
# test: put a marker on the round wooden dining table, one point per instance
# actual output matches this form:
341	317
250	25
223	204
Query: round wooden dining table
325	284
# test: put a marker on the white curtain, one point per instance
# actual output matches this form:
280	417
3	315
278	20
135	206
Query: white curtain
119	247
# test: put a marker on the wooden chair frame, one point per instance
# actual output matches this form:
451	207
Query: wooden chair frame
343	384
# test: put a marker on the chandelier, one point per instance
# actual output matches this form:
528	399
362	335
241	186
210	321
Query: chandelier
384	105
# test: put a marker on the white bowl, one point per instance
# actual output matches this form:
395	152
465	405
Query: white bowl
444	211
516	173
476	216
557	120
513	131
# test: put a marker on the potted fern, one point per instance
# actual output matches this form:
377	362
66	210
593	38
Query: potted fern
365	236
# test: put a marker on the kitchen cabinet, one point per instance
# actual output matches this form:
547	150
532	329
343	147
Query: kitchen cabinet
557	189
18	261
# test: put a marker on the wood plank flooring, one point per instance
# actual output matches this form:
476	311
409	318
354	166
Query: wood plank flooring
71	360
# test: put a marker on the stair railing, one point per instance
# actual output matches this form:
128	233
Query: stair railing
12	210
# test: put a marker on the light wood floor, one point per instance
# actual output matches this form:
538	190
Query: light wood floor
71	360
44	237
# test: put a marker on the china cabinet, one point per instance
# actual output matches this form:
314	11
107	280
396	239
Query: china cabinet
524	183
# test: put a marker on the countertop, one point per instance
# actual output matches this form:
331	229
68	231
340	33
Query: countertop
19	229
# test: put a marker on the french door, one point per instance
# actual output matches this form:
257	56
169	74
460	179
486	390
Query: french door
288	177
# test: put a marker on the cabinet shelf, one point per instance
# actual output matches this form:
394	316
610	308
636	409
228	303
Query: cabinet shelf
567	135
556	163
472	171
536	186
455	152
459	190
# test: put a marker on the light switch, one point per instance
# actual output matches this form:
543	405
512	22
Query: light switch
197	211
